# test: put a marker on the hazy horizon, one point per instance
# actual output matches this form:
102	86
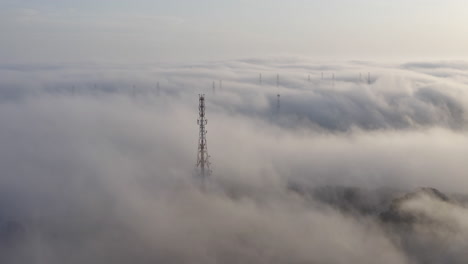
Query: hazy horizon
124	31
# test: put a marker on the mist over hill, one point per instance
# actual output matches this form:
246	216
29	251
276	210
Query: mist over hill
97	163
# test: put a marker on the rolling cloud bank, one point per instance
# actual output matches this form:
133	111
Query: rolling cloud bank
97	163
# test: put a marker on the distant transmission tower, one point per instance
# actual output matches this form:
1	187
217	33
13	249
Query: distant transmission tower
203	163
277	80
278	106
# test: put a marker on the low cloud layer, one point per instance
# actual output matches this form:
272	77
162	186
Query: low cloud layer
97	162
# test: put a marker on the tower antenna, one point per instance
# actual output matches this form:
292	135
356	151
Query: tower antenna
278	106
203	163
277	80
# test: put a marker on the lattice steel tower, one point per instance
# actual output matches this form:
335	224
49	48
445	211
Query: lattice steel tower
203	163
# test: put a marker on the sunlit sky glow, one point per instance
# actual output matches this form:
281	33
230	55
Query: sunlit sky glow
46	31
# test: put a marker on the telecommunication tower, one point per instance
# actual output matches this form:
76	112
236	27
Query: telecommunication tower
203	163
278	106
277	80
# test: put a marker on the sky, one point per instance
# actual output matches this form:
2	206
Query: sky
143	31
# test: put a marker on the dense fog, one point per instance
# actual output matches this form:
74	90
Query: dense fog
358	162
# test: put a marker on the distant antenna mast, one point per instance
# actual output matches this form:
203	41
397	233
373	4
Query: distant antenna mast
203	163
278	106
277	80
260	79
